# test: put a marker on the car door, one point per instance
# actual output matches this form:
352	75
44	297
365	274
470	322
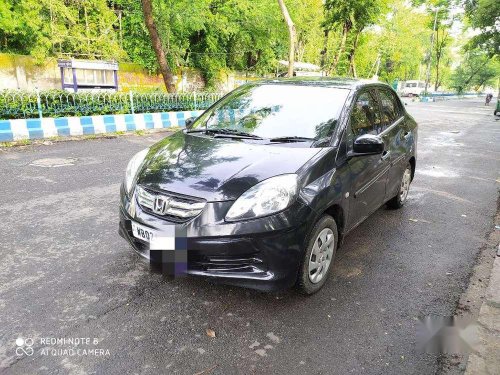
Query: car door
395	136
368	173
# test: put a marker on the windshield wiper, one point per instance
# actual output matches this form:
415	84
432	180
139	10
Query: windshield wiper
195	131
291	139
225	132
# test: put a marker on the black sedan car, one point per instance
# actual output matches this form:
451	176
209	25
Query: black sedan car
260	190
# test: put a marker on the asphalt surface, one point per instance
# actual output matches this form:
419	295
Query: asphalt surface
65	272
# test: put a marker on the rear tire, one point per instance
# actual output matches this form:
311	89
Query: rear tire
319	255
399	199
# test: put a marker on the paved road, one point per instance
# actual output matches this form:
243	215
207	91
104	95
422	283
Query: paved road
65	272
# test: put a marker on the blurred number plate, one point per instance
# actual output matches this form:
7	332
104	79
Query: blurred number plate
143	233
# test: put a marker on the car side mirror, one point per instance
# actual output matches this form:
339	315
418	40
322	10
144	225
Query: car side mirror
189	122
367	144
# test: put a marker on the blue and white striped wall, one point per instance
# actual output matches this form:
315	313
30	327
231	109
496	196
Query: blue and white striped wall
20	129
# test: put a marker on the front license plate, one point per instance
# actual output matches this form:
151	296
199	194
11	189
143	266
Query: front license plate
143	233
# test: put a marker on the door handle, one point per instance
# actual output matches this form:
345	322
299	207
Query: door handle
385	155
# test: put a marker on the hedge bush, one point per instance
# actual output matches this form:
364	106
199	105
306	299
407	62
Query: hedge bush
58	103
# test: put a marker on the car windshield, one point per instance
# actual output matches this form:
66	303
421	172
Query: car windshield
278	110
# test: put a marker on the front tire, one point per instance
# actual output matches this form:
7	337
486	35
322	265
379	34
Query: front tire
319	255
400	199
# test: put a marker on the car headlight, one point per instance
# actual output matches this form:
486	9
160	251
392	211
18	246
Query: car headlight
132	168
267	197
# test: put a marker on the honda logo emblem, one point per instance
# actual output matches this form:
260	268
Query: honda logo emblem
161	205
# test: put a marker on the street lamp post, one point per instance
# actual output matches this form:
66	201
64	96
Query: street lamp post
428	76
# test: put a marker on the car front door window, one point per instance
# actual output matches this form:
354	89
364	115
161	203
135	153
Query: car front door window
365	118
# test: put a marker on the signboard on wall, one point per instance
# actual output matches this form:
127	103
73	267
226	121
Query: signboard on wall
88	75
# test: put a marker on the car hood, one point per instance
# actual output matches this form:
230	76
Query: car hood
216	169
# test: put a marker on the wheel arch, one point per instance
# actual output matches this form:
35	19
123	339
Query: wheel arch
337	212
413	163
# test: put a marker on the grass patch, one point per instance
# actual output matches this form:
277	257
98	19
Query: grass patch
22	142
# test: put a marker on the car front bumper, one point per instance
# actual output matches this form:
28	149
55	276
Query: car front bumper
261	253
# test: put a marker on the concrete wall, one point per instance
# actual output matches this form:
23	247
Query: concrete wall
22	72
131	77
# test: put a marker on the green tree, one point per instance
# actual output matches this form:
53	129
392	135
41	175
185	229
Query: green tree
136	41
218	36
477	70
441	23
166	72
308	18
292	35
349	19
400	40
51	27
485	16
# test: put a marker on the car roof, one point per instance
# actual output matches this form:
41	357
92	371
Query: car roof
334	82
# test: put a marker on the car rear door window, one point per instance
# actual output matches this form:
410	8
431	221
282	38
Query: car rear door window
365	117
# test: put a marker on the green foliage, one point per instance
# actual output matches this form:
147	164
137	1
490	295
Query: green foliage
348	19
48	27
485	16
308	16
401	42
476	71
210	35
355	14
346	37
58	103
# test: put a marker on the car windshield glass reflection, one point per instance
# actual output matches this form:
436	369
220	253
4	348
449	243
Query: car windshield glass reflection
277	110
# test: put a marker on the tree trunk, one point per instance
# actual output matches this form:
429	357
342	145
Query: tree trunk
352	54
437	83
165	70
292	35
440	45
468	80
336	59
438	58
324	52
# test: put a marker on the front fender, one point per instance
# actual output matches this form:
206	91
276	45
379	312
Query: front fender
327	191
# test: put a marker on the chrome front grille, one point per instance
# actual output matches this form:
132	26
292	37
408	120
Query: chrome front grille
168	206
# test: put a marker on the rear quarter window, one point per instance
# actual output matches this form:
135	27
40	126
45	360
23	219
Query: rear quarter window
390	107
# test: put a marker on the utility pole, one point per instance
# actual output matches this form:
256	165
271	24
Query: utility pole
428	77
